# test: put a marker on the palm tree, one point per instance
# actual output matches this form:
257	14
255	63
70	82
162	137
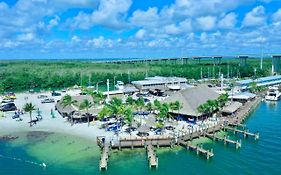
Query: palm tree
222	99
116	107
128	114
68	101
175	106
130	101
105	111
164	111
29	107
157	104
149	107
86	104
97	97
140	103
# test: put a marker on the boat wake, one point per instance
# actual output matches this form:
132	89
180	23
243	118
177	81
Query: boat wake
25	161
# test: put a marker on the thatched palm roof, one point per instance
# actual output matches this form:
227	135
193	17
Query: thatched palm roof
192	98
70	109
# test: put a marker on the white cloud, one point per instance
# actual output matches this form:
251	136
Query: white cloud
256	17
100	42
276	17
140	34
172	29
149	18
26	37
75	39
228	21
53	22
206	23
198	8
10	44
110	13
3	6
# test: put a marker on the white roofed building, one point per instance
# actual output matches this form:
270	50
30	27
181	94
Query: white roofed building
164	83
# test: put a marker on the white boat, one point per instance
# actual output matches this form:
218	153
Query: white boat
119	85
273	94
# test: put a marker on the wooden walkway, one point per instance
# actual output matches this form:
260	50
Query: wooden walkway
226	140
237	125
198	149
165	141
151	156
104	157
246	133
137	142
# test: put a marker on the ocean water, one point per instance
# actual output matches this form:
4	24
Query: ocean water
64	154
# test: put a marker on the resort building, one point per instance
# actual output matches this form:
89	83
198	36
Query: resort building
265	81
191	99
67	111
231	108
242	97
163	83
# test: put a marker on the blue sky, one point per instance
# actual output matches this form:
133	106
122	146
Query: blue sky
51	29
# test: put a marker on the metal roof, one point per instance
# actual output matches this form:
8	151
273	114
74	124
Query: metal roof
259	80
159	80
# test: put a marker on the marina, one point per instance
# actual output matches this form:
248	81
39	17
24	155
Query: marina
127	87
184	140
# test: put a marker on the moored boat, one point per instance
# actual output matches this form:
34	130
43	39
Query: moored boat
273	94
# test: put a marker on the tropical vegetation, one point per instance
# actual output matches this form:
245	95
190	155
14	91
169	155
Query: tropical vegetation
42	74
29	108
67	100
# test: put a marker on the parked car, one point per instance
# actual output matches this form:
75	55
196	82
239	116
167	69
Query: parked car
9	96
54	93
42	96
8	107
7	101
48	100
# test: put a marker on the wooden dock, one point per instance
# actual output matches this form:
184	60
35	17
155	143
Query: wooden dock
198	149
137	142
104	157
230	124
151	156
245	132
225	140
237	125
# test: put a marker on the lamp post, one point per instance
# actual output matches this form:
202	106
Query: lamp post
114	81
97	85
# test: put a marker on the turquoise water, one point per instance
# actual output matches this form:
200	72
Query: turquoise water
69	155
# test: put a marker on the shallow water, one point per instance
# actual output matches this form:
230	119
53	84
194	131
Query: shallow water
70	155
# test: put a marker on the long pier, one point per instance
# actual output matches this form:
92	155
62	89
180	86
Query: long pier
151	155
104	157
246	133
198	149
225	139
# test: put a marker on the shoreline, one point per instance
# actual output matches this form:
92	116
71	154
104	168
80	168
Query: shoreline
48	124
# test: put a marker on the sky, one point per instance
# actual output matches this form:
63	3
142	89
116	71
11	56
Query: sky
73	29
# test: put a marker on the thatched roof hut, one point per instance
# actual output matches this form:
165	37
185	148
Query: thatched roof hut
191	99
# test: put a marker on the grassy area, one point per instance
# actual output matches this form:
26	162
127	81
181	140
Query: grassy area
23	75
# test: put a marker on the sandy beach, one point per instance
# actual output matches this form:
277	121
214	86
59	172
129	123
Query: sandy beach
8	126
